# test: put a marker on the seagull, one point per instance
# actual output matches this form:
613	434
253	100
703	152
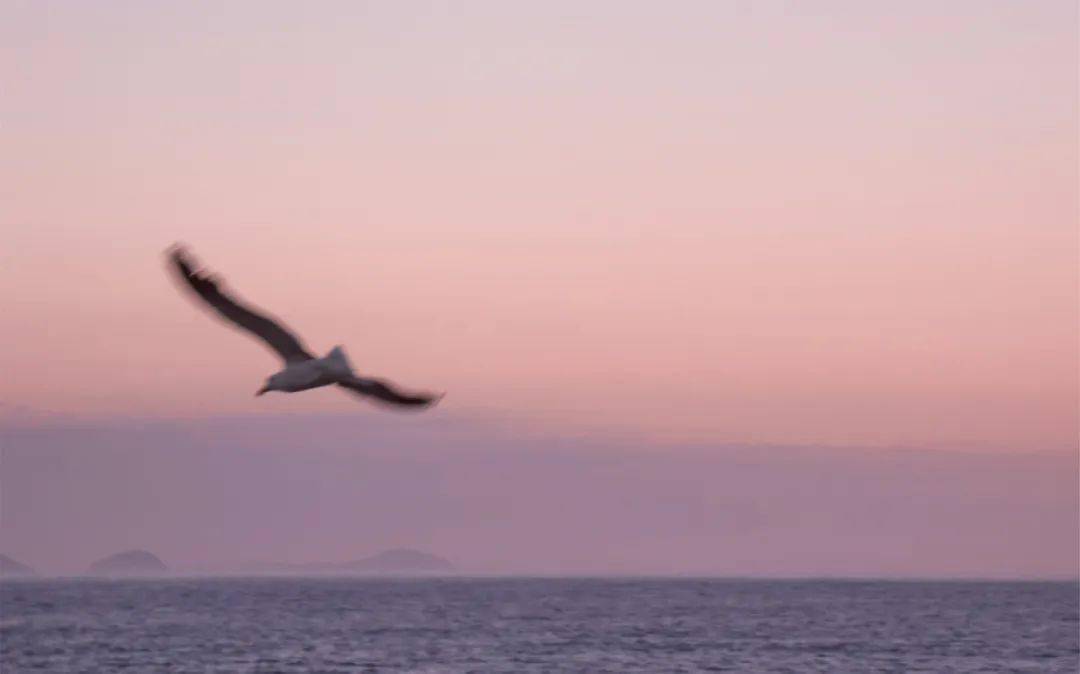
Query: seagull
302	370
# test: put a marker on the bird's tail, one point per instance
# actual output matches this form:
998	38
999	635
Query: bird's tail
339	361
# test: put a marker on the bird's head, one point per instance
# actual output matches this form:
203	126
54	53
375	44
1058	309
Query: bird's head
271	384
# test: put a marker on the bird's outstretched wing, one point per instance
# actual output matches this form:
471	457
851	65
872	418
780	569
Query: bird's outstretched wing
280	340
384	392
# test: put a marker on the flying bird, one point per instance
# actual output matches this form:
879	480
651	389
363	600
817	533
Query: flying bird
301	370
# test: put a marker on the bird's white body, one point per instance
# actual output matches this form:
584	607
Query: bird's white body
302	369
299	376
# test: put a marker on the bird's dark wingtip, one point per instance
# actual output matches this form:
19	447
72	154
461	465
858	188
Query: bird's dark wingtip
181	252
180	257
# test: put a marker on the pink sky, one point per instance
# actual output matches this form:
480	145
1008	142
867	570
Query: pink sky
839	224
849	223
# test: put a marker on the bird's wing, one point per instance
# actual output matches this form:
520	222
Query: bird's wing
383	391
280	340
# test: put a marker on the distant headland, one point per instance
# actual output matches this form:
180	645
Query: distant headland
9	568
130	563
399	561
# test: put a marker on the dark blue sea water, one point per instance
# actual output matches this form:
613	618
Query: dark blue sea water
536	625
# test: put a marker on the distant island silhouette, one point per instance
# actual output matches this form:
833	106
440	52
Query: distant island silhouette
9	568
134	563
130	563
402	560
399	561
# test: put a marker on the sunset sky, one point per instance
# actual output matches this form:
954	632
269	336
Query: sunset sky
833	224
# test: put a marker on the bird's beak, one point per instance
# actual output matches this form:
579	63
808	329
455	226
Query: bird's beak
261	391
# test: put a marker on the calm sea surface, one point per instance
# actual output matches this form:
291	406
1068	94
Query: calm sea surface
536	625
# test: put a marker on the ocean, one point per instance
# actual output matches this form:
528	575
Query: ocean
536	625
